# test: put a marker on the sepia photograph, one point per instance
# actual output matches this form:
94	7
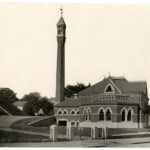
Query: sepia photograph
74	75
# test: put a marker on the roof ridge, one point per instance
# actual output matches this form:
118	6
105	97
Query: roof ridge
137	81
111	80
117	77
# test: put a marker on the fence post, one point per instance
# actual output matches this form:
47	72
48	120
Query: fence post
94	132
80	131
70	133
67	134
105	133
53	133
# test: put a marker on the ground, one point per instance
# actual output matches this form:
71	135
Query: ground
41	138
132	142
6	121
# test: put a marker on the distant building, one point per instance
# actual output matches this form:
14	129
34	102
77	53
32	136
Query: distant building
19	104
52	100
113	102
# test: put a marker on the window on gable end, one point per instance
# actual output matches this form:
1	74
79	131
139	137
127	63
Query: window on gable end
109	89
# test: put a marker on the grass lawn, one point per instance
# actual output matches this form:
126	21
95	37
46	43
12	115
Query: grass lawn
7	121
24	122
12	137
11	109
23	125
45	122
126	130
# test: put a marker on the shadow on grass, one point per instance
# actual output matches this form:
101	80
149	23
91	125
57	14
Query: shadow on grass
142	142
129	136
15	137
23	125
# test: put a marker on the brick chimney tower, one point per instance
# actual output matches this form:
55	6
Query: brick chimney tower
60	73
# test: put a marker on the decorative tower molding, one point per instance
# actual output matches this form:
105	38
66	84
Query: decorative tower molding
60	73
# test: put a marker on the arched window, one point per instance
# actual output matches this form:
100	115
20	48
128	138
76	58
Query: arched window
109	89
123	115
65	112
85	114
72	112
89	115
59	112
108	115
78	112
129	115
101	115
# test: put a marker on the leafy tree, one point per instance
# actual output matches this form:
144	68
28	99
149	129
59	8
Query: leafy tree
46	106
33	96
7	95
28	109
35	103
70	90
32	105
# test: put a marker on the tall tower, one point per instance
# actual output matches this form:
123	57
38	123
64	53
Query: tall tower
60	74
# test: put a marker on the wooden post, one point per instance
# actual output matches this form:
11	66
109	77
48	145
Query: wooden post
94	132
105	133
53	133
70	133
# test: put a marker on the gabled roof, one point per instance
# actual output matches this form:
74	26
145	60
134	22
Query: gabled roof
69	102
121	84
125	86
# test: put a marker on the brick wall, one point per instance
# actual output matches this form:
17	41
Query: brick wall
69	118
94	117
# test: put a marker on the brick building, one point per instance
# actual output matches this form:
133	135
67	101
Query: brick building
112	102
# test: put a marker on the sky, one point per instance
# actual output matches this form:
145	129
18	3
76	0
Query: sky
100	39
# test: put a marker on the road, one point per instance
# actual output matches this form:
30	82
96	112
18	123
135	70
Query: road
132	142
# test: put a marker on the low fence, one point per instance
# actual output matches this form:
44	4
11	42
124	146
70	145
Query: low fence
77	133
80	133
99	133
62	133
69	133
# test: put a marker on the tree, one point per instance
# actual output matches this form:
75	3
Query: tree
7	95
70	90
28	109
32	105
46	106
33	96
36	103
